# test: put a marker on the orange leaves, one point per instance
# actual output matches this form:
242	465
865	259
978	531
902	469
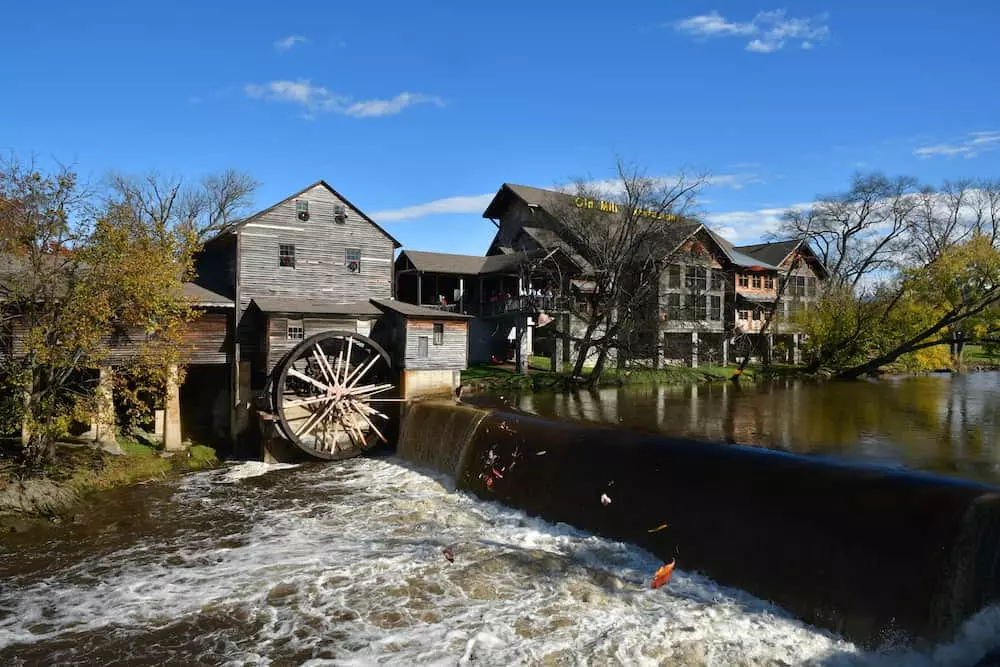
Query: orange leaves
663	575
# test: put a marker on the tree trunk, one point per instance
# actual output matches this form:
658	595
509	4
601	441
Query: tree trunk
602	360
583	349
915	343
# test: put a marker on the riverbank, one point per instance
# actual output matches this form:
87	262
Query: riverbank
81	470
540	377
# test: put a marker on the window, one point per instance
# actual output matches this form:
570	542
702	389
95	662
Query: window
352	259
699	308
339	213
743	314
674	275
438	333
810	287
755	281
286	255
301	209
769	282
717	278
798	285
422	347
716	308
744	280
756	315
696	277
294	330
673	306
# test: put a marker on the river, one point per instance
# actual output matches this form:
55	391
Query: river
941	423
342	564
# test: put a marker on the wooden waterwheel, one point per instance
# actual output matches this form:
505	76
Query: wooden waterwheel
328	392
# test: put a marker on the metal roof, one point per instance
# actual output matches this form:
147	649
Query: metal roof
285	304
464	265
773	253
410	310
738	258
200	296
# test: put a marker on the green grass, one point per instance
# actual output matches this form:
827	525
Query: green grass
977	354
541	378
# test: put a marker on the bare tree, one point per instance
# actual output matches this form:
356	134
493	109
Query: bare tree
198	211
625	230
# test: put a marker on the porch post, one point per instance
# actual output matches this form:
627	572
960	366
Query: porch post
172	412
694	349
796	352
420	285
521	343
461	294
725	351
557	353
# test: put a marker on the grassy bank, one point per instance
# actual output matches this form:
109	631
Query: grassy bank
540	377
80	470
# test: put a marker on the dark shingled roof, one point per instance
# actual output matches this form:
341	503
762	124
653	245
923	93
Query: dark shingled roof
464	265
410	310
199	296
284	304
738	258
772	253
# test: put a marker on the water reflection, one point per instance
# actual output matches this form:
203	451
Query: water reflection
937	423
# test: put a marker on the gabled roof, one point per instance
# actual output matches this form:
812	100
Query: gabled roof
773	253
236	226
412	311
547	199
738	258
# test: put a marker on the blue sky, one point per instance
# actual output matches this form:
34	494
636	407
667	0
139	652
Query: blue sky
417	112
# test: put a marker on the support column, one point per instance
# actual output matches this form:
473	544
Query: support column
521	344
172	412
796	351
557	353
461	295
26	419
420	288
103	426
770	348
694	349
725	351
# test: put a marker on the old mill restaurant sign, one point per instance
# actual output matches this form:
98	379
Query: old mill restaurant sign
612	207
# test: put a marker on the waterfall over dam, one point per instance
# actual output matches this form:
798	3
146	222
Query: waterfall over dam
867	552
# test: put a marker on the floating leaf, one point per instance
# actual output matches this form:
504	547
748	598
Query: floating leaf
663	575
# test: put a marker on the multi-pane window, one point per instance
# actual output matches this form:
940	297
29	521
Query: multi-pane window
302	209
423	347
810	286
674	275
696	277
438	333
352	259
716	308
286	255
756	315
339	213
755	281
673	306
717	278
699	308
294	330
743	315
744	280
769	282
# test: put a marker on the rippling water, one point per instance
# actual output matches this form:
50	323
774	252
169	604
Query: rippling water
342	565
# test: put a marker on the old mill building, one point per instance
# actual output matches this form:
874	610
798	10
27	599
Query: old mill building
314	262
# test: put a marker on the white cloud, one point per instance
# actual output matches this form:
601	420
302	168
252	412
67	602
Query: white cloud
285	43
974	144
741	227
770	31
468	204
317	99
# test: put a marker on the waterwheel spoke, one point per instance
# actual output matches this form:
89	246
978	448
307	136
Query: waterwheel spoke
369	422
324	365
347	359
367	409
294	372
360	374
369	389
319	415
307	401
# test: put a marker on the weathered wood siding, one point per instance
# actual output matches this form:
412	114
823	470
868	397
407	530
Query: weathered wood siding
205	340
320	269
452	354
277	333
208	338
